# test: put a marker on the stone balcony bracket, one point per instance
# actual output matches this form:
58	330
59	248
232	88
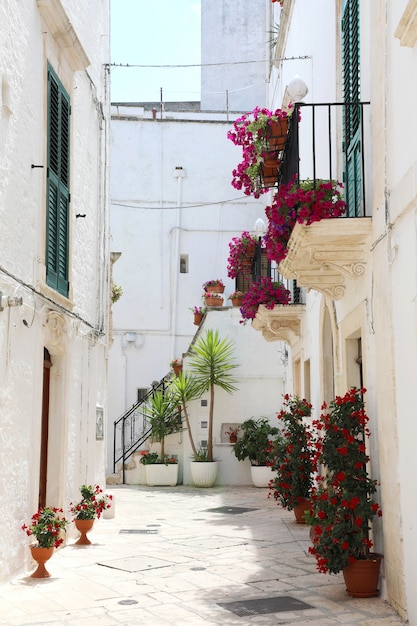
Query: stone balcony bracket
282	323
325	255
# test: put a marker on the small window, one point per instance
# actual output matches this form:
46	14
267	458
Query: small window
203	402
141	394
203	424
184	264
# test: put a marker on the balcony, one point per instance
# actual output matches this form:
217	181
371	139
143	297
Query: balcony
329	143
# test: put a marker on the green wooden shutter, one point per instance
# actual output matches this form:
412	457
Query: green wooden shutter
58	192
352	114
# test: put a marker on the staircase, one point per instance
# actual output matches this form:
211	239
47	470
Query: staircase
131	430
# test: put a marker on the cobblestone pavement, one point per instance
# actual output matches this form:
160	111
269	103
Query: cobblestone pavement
181	555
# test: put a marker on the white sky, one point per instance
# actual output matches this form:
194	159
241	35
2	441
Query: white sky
145	32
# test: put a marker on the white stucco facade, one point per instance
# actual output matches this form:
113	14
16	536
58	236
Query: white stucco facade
73	37
171	198
364	334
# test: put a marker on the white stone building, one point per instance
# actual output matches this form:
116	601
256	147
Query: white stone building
173	214
54	259
358	326
359	323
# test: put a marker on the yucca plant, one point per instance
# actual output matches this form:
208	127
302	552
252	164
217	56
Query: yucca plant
184	389
211	366
162	411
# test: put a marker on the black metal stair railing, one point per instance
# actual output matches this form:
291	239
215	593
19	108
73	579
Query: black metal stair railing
131	430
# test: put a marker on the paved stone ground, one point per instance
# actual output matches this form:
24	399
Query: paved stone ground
186	562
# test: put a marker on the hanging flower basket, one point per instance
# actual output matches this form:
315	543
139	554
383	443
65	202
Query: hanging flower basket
258	133
241	254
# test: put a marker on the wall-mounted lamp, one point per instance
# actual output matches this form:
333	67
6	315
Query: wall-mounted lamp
6	301
297	89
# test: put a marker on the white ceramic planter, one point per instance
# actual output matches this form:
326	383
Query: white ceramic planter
203	474
160	474
261	475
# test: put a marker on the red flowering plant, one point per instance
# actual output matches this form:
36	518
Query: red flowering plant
266	292
342	504
305	203
295	455
252	132
92	504
46	527
241	254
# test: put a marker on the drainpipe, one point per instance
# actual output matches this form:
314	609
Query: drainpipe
179	173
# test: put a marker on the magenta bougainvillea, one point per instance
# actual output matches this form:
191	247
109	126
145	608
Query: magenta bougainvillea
241	253
309	202
250	132
266	292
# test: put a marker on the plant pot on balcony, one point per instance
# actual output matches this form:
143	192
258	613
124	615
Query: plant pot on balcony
197	318
269	169
276	134
213	300
215	288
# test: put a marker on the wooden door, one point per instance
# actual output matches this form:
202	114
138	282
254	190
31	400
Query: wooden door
47	364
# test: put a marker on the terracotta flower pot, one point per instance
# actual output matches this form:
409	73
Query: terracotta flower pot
215	289
214	300
236	301
83	526
300	509
276	134
269	169
177	369
197	318
41	555
362	577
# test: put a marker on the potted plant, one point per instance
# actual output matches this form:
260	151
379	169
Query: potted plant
211	365
305	202
176	365
199	312
343	505
161	409
266	292
262	136
255	444
46	526
184	389
236	297
214	286
295	458
213	298
241	254
90	507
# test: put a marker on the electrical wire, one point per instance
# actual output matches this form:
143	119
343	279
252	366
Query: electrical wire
170	66
130	205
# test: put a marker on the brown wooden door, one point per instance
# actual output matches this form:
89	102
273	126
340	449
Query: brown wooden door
47	364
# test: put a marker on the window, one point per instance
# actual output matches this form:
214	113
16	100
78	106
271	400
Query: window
352	117
142	393
57	185
184	264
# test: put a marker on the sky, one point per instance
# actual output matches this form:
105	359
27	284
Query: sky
145	32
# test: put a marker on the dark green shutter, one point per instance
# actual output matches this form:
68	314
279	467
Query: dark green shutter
352	114
58	193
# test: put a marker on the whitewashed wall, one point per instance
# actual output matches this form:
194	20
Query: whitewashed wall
381	306
152	233
234	54
75	329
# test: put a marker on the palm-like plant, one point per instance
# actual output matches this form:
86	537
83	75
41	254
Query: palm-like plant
184	389
211	366
162	411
